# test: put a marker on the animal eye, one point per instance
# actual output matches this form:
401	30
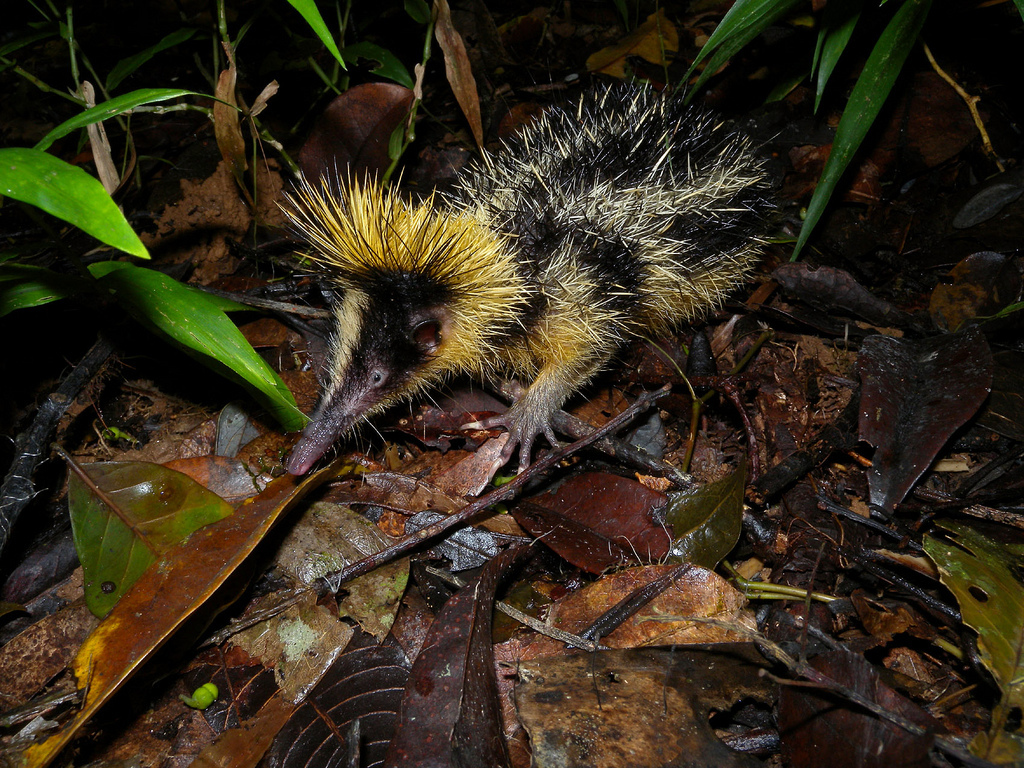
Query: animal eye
427	336
377	377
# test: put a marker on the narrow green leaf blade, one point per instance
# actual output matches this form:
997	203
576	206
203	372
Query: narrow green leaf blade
128	65
24	285
69	193
744	21
873	86
197	323
116	106
309	11
838	22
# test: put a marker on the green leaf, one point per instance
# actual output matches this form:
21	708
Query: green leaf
127	66
116	106
23	286
67	192
388	64
873	86
309	11
419	10
706	521
837	24
45	31
196	322
125	516
981	573
744	21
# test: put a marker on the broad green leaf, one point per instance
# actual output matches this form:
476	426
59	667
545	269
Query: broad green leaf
707	520
309	11
388	64
126	515
837	23
419	10
196	321
23	285
873	86
982	575
69	193
744	21
116	106
127	66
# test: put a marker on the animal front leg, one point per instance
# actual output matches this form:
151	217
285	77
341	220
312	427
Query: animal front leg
530	415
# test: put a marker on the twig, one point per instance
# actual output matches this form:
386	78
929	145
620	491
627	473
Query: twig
18	490
331	582
972	105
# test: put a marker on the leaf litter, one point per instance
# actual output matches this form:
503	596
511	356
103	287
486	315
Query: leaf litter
837	557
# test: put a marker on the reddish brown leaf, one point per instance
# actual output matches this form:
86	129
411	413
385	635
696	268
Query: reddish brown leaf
350	138
450	712
365	684
598	520
458	69
816	722
915	395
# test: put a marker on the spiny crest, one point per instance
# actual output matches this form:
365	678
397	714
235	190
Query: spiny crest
368	232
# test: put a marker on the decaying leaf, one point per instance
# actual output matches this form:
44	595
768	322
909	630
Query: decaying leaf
126	515
656	41
637	708
915	395
984	576
167	594
451	700
363	685
816	722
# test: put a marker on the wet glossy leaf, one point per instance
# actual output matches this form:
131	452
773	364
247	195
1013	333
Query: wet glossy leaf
915	395
125	515
196	322
450	711
388	65
984	577
744	21
69	193
837	24
167	594
706	521
598	520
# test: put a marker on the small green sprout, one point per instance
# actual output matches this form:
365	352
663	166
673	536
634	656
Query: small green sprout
202	697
